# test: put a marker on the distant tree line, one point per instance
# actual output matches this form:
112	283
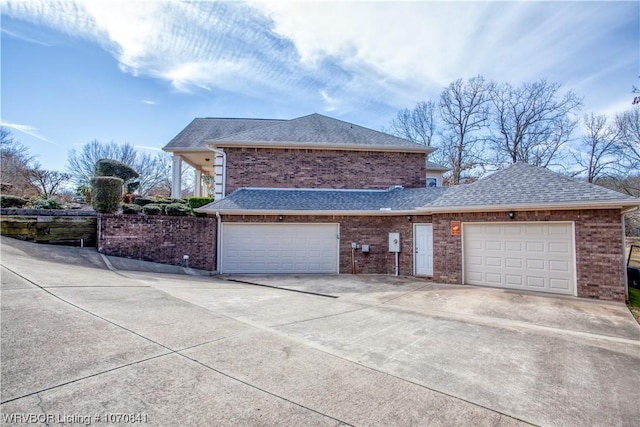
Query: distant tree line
480	126
22	175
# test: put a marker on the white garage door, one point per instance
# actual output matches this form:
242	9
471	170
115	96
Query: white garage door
280	248
528	256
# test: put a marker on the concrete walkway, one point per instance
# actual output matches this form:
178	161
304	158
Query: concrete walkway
84	338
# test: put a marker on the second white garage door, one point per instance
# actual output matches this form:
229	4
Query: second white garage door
528	256
280	248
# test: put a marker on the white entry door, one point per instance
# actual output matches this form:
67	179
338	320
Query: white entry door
529	256
279	248
423	249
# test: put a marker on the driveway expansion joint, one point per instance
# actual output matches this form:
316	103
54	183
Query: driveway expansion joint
244	282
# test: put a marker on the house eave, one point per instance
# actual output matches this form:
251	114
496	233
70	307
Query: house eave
319	146
315	212
613	204
185	149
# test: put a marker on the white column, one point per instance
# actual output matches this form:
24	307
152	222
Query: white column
198	183
176	179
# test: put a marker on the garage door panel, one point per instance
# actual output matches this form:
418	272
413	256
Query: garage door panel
559	284
534	230
493	245
559	248
513	262
493	278
535	264
536	256
512	246
280	248
512	280
559	266
493	261
535	282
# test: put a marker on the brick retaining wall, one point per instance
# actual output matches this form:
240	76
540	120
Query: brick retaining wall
163	239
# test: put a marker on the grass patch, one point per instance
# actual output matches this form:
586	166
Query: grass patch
634	302
634	297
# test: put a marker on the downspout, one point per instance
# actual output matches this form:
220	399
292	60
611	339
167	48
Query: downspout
224	169
218	242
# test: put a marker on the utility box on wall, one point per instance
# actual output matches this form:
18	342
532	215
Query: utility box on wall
394	242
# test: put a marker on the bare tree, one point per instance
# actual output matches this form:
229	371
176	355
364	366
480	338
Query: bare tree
15	164
532	122
47	181
417	125
464	110
628	124
152	169
602	143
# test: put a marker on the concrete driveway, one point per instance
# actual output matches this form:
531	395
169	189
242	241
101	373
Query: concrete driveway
85	341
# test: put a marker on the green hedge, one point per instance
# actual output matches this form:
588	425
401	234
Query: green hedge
9	201
106	194
131	209
152	209
40	202
177	209
142	201
198	202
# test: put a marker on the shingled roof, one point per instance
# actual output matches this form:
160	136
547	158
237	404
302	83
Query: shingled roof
522	185
263	199
201	130
519	186
315	131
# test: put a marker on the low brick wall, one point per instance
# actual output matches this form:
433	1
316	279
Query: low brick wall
163	239
599	247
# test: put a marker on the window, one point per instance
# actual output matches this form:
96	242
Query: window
433	181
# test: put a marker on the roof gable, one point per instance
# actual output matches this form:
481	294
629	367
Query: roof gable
522	184
312	131
319	131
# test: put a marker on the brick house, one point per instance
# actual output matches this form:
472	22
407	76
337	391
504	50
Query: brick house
319	195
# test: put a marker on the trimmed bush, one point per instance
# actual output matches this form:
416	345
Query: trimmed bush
50	203
132	186
181	201
177	209
198	202
142	201
106	194
131	209
109	167
152	209
9	201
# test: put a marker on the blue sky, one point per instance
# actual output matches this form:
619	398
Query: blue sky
140	71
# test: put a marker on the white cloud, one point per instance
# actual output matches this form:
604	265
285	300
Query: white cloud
27	130
347	55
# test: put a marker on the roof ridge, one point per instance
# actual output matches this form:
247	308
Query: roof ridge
280	122
237	118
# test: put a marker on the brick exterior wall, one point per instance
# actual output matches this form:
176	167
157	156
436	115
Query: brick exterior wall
369	230
599	248
163	239
599	243
292	168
